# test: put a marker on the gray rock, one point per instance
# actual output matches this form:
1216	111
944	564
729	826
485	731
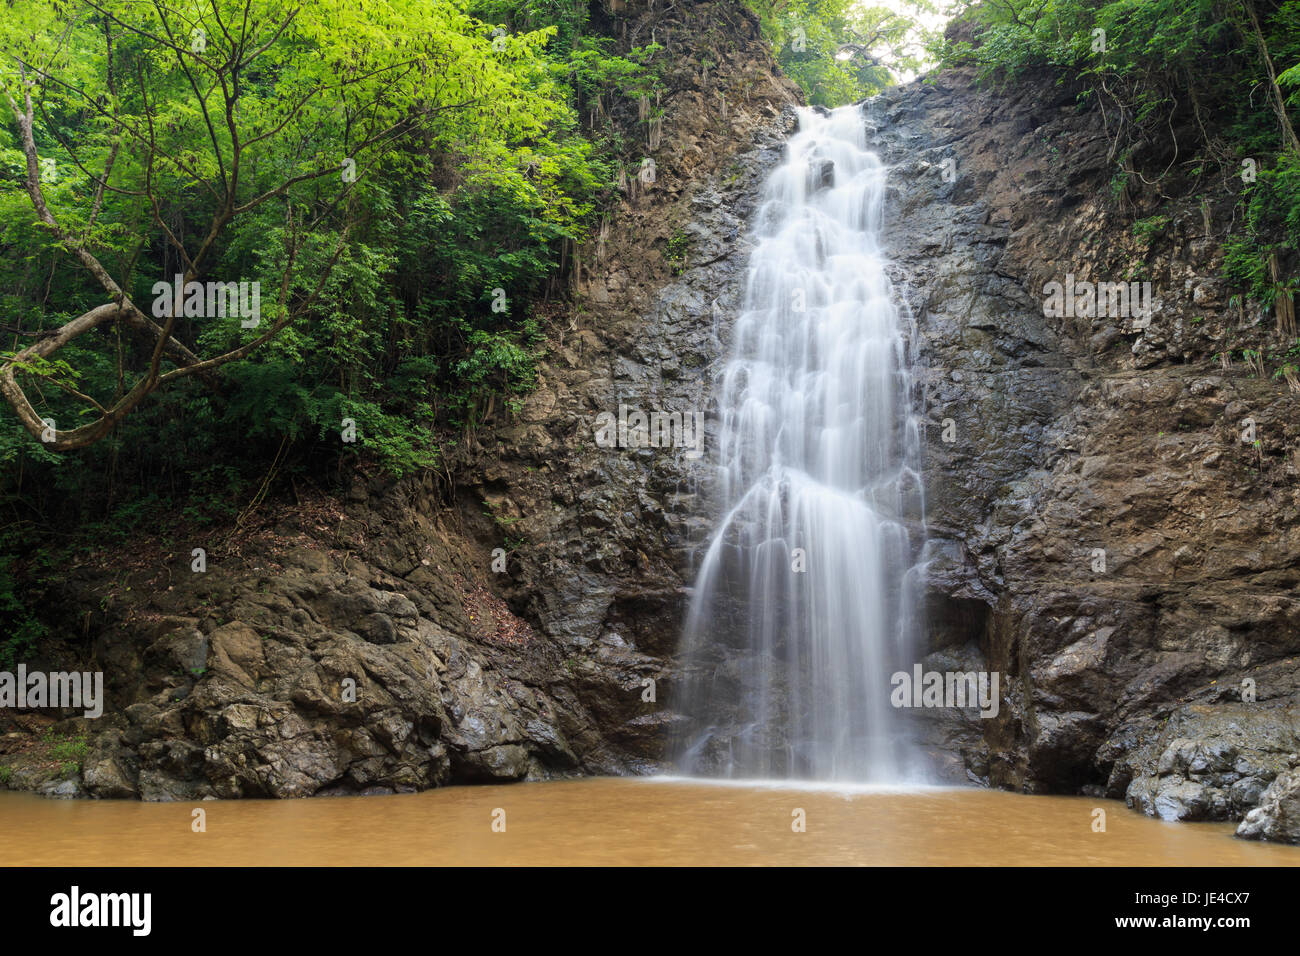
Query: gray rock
1277	817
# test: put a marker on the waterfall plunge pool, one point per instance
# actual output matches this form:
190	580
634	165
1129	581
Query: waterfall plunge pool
623	822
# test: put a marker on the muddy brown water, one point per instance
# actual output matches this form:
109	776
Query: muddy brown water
618	822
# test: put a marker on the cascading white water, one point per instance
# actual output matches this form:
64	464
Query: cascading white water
801	609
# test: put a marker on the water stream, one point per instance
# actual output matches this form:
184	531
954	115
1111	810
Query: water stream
801	609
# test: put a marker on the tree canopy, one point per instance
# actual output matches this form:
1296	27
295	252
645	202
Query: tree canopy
841	51
244	141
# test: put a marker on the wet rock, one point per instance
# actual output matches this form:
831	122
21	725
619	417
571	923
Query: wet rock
1099	534
62	789
505	762
109	769
822	174
1277	817
1203	762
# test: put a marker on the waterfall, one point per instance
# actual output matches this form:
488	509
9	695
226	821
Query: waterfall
803	606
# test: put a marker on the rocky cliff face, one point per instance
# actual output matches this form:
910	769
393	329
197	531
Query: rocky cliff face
1102	535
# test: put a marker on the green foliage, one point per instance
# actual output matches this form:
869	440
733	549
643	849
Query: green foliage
1140	36
70	751
421	285
1271	229
69	748
679	244
20	629
1164	66
598	77
1150	227
486	135
841	51
471	176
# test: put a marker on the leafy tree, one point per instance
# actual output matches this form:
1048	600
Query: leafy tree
841	51
239	140
405	180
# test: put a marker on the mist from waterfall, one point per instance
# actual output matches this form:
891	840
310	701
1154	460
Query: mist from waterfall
803	603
